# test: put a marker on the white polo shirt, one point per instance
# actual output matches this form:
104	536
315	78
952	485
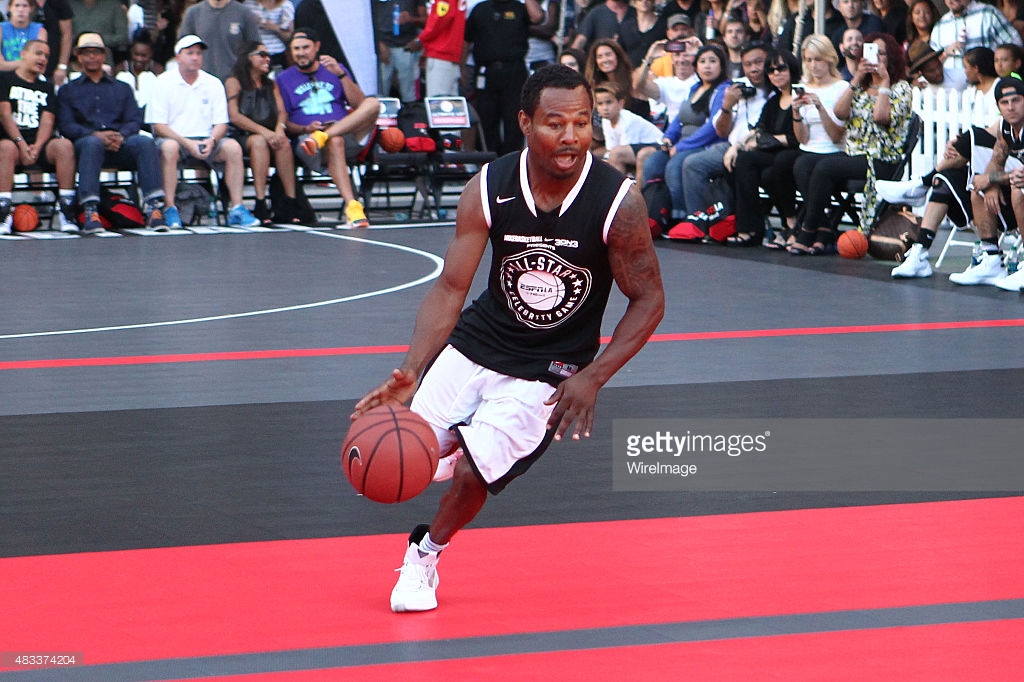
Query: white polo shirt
190	110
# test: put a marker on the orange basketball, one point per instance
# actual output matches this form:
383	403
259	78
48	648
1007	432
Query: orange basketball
25	218
390	454
391	140
852	244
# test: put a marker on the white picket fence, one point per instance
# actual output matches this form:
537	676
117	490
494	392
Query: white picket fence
945	113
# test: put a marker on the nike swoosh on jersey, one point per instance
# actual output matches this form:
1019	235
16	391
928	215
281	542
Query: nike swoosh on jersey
504	200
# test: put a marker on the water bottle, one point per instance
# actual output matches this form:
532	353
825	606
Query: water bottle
709	27
977	254
395	26
1012	261
211	211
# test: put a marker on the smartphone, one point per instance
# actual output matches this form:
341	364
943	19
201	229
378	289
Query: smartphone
798	91
871	53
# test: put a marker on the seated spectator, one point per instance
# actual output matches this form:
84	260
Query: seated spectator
258	121
969	24
139	72
100	116
764	158
17	31
324	104
979	65
625	133
921	18
189	116
668	91
978	180
741	109
275	19
893	14
850	51
925	68
223	25
735	35
28	121
820	132
855	16
692	129
607	61
878	108
1008	58
106	17
572	58
678	29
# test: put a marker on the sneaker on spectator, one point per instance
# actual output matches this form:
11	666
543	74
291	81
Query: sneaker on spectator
355	216
65	215
909	193
988	271
416	589
915	264
1012	282
172	220
6	217
91	219
156	218
240	216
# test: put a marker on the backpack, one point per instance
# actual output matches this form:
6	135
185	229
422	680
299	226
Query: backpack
120	212
412	121
659	206
713	223
192	202
302	208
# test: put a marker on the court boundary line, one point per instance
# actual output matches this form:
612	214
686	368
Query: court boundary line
291	353
415	651
437	260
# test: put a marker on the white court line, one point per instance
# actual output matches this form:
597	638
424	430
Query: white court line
438	262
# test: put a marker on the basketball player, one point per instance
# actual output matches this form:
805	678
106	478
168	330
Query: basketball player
517	368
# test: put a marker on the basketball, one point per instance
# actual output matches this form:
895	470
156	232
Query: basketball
25	218
391	140
852	244
390	454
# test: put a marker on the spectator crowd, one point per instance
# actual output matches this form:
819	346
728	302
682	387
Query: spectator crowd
712	105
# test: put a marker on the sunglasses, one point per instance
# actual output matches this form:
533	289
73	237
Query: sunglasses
260	53
774	68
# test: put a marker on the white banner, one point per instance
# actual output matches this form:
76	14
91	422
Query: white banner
352	21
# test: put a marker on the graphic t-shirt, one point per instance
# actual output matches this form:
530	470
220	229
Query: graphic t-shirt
28	102
312	97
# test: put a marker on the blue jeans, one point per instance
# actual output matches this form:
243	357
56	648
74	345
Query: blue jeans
697	170
138	152
659	165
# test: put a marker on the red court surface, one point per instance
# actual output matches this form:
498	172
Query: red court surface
249	598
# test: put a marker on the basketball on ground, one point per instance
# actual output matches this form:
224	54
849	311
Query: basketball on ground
390	454
852	244
391	140
25	218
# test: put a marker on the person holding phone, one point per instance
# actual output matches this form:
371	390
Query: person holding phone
878	110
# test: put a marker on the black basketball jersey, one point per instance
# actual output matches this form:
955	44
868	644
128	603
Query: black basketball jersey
1015	142
549	279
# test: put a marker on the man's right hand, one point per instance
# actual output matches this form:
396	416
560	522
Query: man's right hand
398	389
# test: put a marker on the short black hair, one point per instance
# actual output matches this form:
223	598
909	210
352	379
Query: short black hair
983	59
551	76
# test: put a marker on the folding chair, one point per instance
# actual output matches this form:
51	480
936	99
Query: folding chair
451	165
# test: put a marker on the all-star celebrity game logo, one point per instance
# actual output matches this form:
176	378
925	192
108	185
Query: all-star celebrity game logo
542	288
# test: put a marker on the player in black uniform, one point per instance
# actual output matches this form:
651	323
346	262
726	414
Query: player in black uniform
517	368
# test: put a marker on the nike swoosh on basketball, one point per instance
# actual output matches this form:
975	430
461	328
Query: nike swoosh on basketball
504	200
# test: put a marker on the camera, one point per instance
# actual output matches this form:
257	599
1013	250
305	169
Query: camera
747	88
798	90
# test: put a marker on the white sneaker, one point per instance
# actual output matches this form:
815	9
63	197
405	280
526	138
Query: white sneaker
1012	282
65	220
915	264
416	589
909	193
446	466
989	271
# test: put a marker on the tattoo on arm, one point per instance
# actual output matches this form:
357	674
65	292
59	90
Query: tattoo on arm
631	252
